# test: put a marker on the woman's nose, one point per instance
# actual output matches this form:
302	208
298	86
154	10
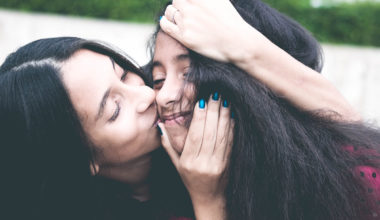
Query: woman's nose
169	92
143	97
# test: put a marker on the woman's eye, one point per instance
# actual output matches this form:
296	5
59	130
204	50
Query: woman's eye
116	113
123	76
158	83
185	72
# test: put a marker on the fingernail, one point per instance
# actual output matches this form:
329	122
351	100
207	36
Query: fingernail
160	18
232	115
215	97
159	130
225	103
202	104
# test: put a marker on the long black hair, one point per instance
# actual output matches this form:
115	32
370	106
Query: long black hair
286	163
45	155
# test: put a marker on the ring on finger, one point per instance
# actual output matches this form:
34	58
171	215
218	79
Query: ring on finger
173	17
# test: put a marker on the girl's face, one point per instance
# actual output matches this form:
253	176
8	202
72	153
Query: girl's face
117	110
170	65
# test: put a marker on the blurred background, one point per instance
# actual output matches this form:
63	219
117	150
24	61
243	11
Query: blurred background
349	31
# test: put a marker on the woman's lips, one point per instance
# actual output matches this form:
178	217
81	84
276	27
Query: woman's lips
175	119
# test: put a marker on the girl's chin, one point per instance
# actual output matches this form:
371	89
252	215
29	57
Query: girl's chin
177	141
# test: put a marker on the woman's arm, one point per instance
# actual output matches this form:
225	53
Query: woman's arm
288	77
215	29
204	159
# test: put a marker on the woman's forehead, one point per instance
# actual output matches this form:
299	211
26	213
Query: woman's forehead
87	75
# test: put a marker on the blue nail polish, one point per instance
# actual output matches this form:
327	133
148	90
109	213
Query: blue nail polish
159	130
232	115
225	103
160	18
202	104
215	97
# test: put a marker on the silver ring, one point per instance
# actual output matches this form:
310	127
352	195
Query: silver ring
173	17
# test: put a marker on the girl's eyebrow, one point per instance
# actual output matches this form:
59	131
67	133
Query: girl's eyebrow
181	57
178	58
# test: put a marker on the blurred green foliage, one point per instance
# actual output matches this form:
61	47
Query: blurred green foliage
357	23
288	3
352	24
346	23
128	10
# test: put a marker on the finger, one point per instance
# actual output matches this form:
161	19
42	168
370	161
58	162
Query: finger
180	4
195	134
167	145
170	28
224	129
171	13
230	140
211	126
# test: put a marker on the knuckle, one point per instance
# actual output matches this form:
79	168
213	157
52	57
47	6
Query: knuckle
222	140
225	113
199	115
194	138
187	38
183	165
210	134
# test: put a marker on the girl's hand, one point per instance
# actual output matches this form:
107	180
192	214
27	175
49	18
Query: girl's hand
209	27
205	156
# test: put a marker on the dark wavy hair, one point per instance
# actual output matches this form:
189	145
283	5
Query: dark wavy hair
45	154
286	163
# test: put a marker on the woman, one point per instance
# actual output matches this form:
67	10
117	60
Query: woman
286	163
78	122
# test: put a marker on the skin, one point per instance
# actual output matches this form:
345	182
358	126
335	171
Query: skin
125	134
213	32
170	65
206	33
202	159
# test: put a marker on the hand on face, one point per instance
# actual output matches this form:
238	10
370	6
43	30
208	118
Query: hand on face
206	152
207	27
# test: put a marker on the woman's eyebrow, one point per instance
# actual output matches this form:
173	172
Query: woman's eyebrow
113	63
102	104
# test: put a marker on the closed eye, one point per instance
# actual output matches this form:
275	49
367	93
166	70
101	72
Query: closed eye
124	75
158	83
116	113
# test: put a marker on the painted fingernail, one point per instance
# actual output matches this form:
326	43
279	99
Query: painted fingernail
160	18
215	97
202	104
232	115
159	130
225	103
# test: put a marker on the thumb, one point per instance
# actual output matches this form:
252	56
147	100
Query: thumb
167	145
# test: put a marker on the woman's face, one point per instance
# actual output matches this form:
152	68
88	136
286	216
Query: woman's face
170	65
117	111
